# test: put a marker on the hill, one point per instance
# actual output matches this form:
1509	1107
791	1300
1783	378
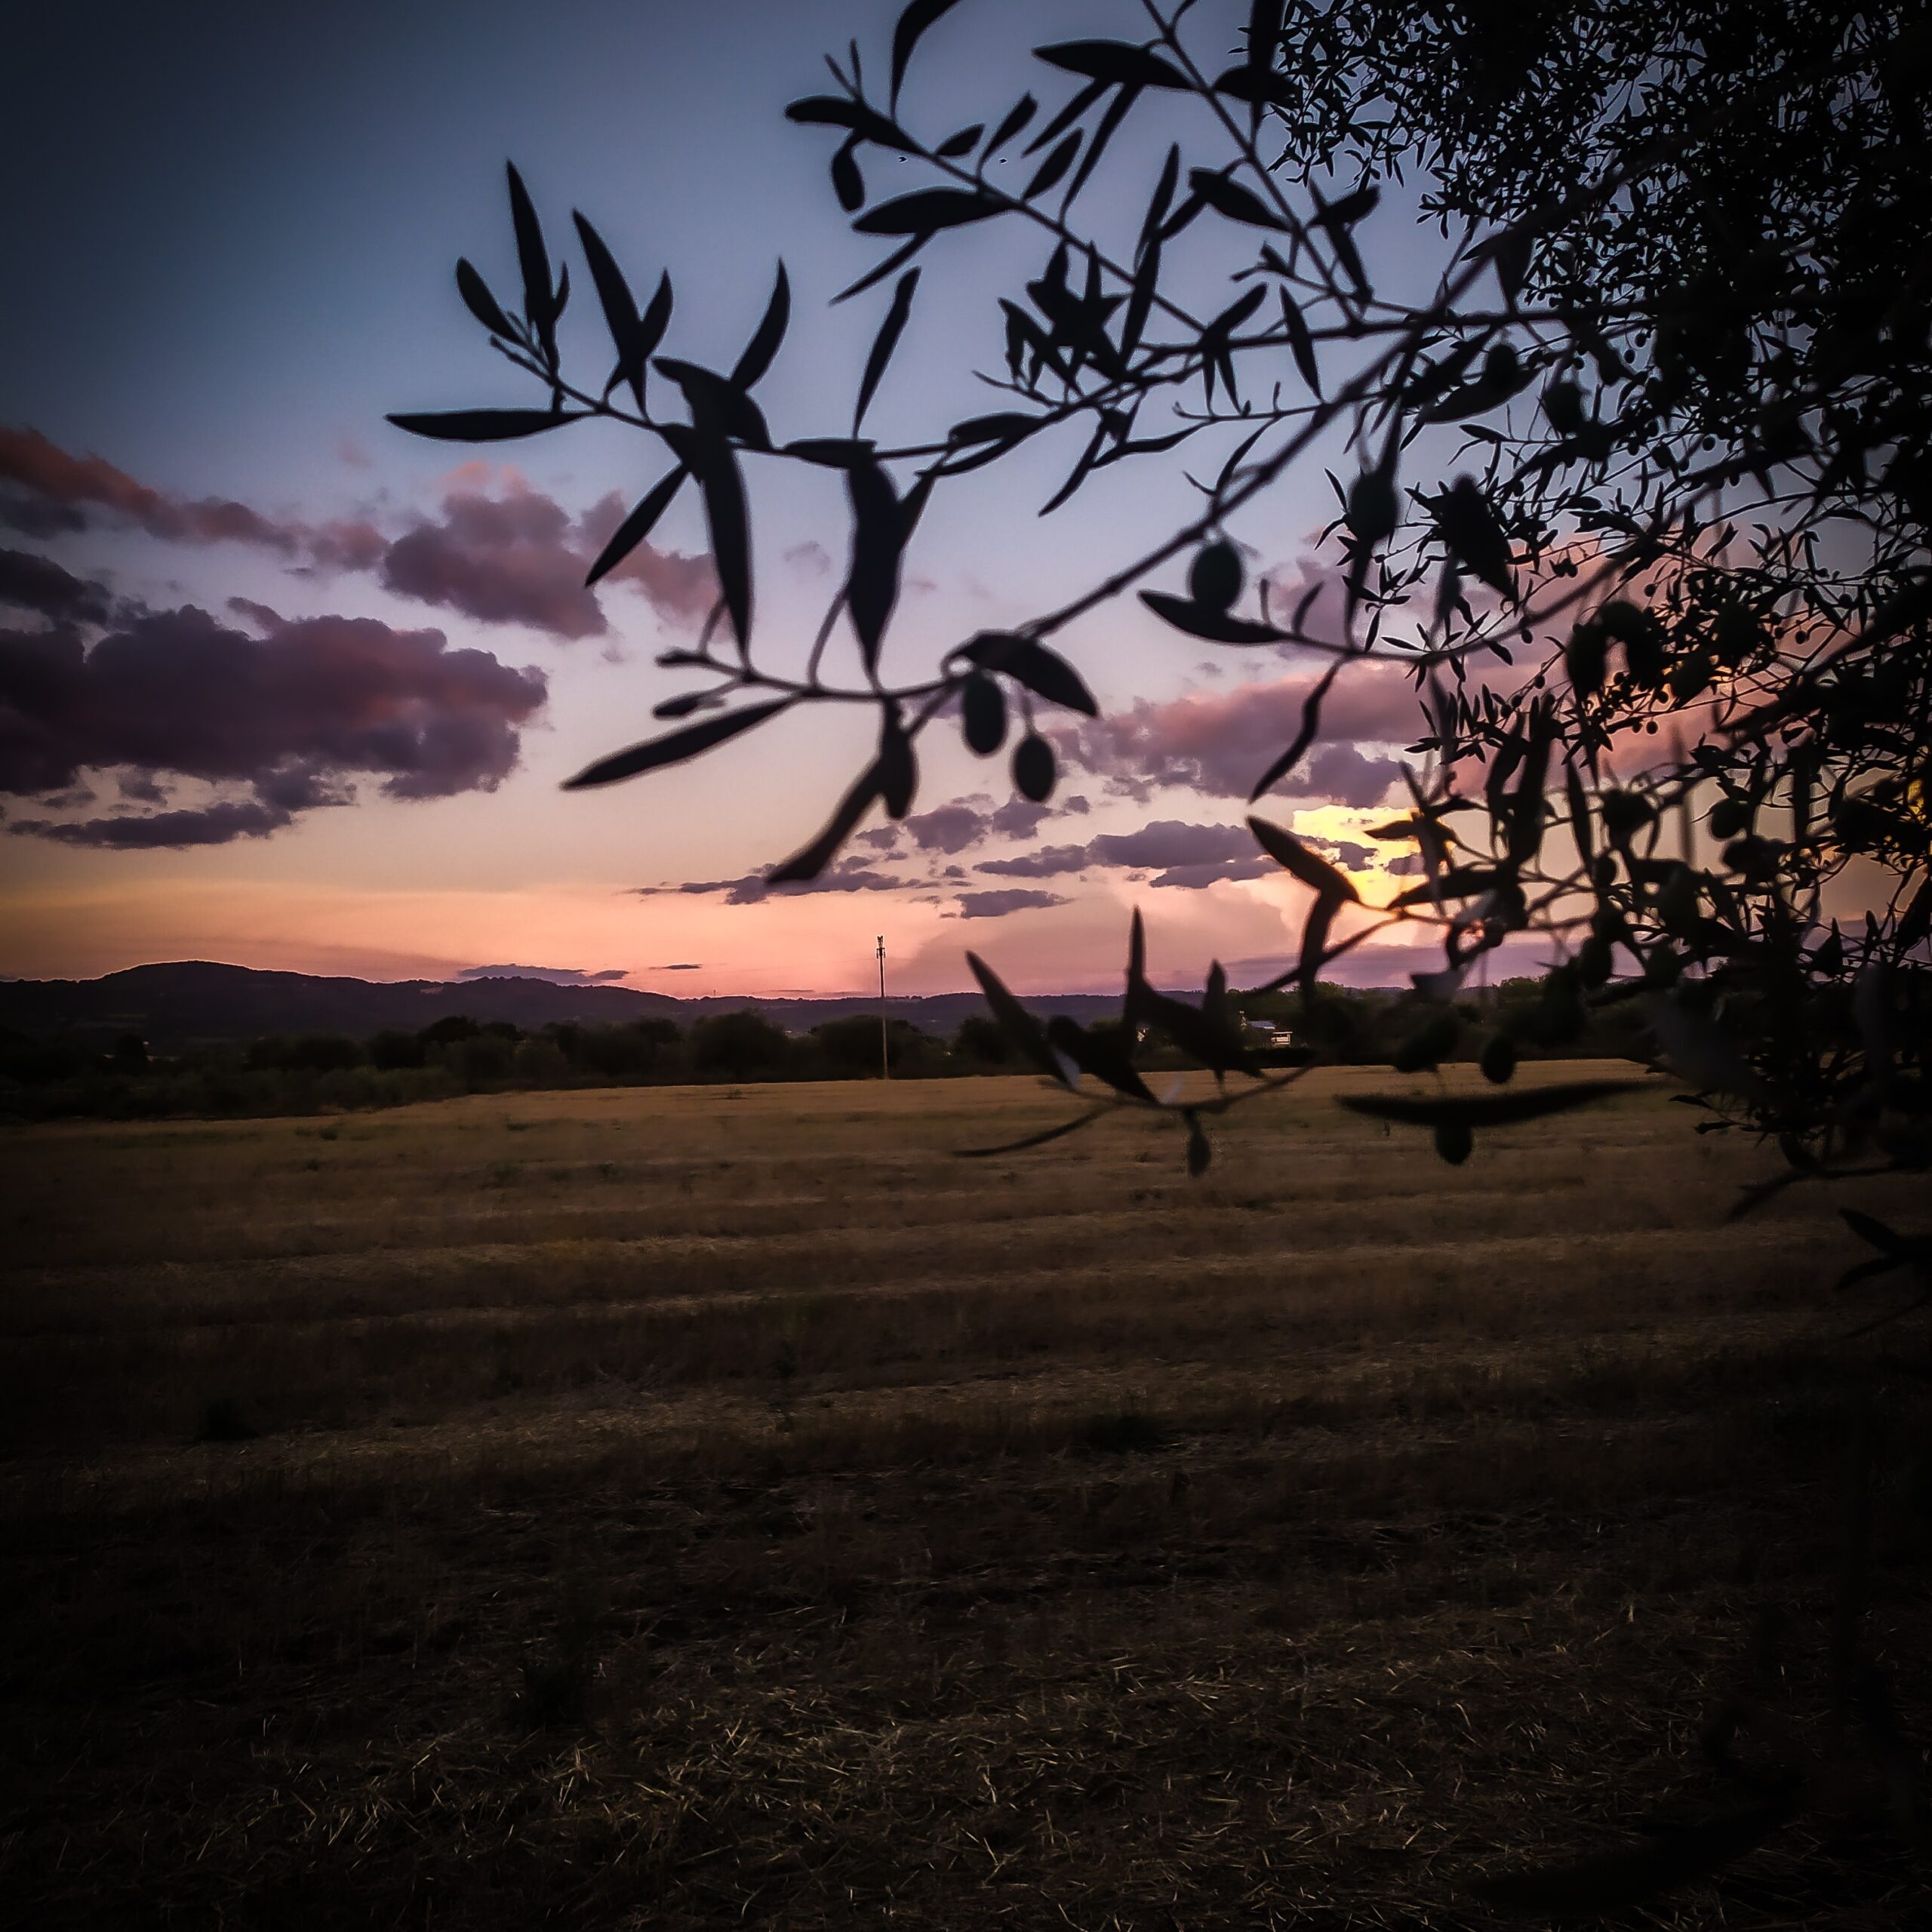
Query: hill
187	1001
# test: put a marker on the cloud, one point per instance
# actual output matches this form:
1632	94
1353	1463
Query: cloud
1180	854
1170	842
558	975
969	821
1019	818
1347	853
211	825
1048	863
848	875
1348	777
44	472
514	556
1211	871
518	558
680	966
680	587
993	905
947	828
296	714
500	560
1315	589
1218	743
37	584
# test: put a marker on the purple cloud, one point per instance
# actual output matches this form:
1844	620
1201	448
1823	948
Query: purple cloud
1048	863
295	714
519	558
42	471
129	831
947	828
993	905
1182	854
679	587
952	828
809	558
500	560
1217	744
1170	842
1019	818
557	976
1345	774
1211	871
848	875
40	586
513	557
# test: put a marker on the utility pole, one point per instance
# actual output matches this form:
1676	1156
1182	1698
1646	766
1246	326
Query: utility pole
884	1058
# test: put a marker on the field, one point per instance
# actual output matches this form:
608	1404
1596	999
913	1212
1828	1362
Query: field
674	1508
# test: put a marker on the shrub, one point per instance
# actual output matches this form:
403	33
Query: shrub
738	1046
393	1048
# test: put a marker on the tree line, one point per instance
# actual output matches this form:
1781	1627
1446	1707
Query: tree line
78	1073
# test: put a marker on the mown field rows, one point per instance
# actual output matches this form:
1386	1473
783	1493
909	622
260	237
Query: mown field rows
648	1506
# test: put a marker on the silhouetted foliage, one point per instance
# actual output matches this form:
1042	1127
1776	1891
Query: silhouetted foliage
1632	478
981	1038
129	1055
850	1045
448	1030
738	1045
1660	425
392	1047
306	1053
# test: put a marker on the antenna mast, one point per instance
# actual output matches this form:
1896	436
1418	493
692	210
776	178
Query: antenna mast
884	1062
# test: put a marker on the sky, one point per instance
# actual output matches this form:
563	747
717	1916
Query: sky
282	686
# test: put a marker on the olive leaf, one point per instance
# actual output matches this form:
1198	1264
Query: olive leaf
1229	197
879	531
636	527
675	746
1044	672
1217	626
1303	861
884	343
913	24
476	293
759	352
1019	1026
1114	61
926	210
485	426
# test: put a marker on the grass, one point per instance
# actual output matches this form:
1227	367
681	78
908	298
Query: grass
738	1507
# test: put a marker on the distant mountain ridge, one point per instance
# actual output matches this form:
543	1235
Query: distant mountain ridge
187	1001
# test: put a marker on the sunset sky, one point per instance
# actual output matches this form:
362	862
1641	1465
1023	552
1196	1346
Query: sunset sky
282	686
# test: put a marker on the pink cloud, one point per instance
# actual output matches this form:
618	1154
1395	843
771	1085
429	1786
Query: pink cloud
295	714
1218	743
57	485
499	550
498	559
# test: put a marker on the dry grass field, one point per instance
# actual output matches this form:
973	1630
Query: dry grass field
692	1507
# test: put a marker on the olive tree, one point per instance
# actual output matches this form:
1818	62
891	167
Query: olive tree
1633	483
1638	497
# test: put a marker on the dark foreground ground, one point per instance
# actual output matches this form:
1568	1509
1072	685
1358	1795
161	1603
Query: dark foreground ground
685	1508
